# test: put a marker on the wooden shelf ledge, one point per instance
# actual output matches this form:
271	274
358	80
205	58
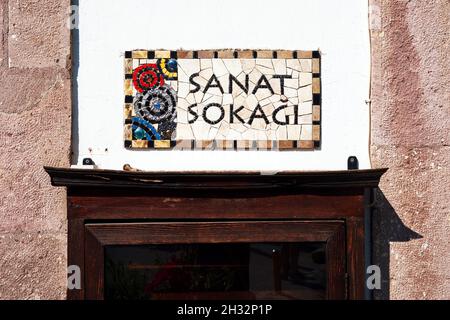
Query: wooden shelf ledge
68	177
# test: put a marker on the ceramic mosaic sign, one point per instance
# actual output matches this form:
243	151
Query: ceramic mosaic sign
222	100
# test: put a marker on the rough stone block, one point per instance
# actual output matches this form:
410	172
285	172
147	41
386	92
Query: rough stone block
410	75
3	12
33	266
38	34
39	136
410	222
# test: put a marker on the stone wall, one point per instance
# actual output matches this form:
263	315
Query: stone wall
410	134
35	118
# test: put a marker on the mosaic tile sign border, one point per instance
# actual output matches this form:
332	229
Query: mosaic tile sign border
161	98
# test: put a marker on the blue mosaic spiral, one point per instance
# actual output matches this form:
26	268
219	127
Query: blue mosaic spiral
142	128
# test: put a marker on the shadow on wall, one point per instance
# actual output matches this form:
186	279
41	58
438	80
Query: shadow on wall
386	228
75	67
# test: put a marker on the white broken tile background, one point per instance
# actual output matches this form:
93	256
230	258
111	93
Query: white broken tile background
298	91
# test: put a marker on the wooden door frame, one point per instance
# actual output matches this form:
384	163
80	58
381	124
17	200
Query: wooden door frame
99	235
113	196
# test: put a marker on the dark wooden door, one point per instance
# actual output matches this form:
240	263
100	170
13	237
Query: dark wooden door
249	259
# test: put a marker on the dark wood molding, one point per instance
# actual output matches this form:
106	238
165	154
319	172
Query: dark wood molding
94	266
212	232
75	254
215	180
355	257
242	205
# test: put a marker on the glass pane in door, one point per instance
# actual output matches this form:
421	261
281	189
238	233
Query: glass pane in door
216	271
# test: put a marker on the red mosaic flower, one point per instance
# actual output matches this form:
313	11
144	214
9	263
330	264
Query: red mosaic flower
147	76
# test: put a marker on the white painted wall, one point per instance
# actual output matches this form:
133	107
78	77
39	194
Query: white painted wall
109	27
